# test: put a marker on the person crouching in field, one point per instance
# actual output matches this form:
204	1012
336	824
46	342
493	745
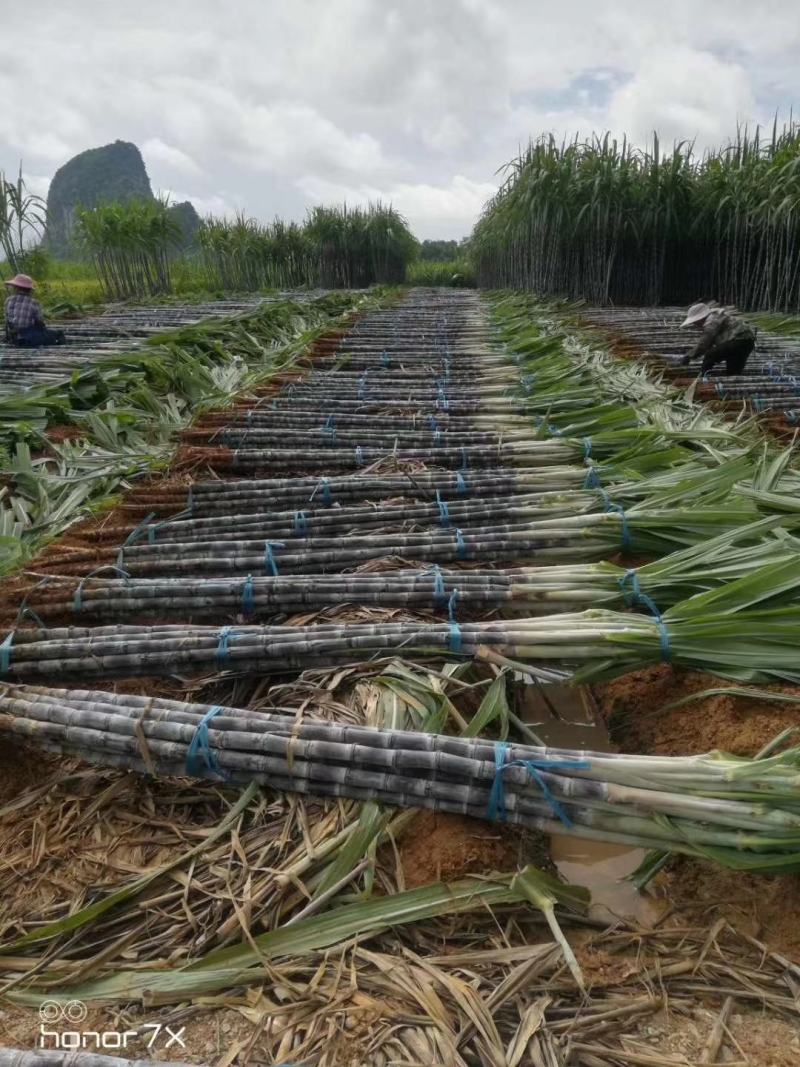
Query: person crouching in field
25	325
725	337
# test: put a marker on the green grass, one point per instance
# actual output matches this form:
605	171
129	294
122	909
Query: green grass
453	272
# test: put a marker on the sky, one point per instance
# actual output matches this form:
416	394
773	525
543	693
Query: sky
272	106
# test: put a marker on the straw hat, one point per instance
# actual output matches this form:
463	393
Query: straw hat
696	313
21	281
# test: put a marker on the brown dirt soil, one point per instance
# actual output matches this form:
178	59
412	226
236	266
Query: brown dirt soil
22	768
630	705
64	433
438	847
767	907
765	1040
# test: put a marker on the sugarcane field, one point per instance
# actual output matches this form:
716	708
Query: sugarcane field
400	536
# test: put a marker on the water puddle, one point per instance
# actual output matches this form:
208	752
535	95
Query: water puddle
566	717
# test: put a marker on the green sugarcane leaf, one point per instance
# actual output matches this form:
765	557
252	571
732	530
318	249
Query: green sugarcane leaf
242	964
544	893
493	706
372	822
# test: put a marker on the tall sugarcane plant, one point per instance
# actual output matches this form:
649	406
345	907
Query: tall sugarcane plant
130	245
23	215
336	248
606	221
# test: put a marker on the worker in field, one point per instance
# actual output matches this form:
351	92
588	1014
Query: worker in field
25	325
725	337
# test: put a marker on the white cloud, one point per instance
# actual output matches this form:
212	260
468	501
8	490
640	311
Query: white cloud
219	206
431	210
684	94
418	102
167	157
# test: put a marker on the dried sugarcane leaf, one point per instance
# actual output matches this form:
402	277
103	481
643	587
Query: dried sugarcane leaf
91	912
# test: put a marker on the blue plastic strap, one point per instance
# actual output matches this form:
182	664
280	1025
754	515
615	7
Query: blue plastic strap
324	485
200	748
437	437
26	612
461	545
455	629
638	597
77	600
151	532
630	576
223	644
385	358
248	601
300	524
444	513
592	479
496	810
451	605
461	483
626	533
137	531
439	594
5	653
330	423
269	558
434	425
464	458
587	449
359	456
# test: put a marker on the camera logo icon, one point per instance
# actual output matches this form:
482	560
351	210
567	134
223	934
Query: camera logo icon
71	1011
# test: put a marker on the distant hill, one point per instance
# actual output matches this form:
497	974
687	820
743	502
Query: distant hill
189	222
114	172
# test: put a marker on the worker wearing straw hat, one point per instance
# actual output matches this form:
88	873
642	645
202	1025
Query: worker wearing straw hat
24	319
726	337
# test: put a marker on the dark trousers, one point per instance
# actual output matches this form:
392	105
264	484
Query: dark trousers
37	336
734	353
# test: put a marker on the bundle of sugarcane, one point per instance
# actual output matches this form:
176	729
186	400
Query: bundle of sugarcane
746	629
249	415
313	521
677	479
15	1057
432	438
374	405
532	590
569	537
444	509
563	539
260	494
743	813
530	453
